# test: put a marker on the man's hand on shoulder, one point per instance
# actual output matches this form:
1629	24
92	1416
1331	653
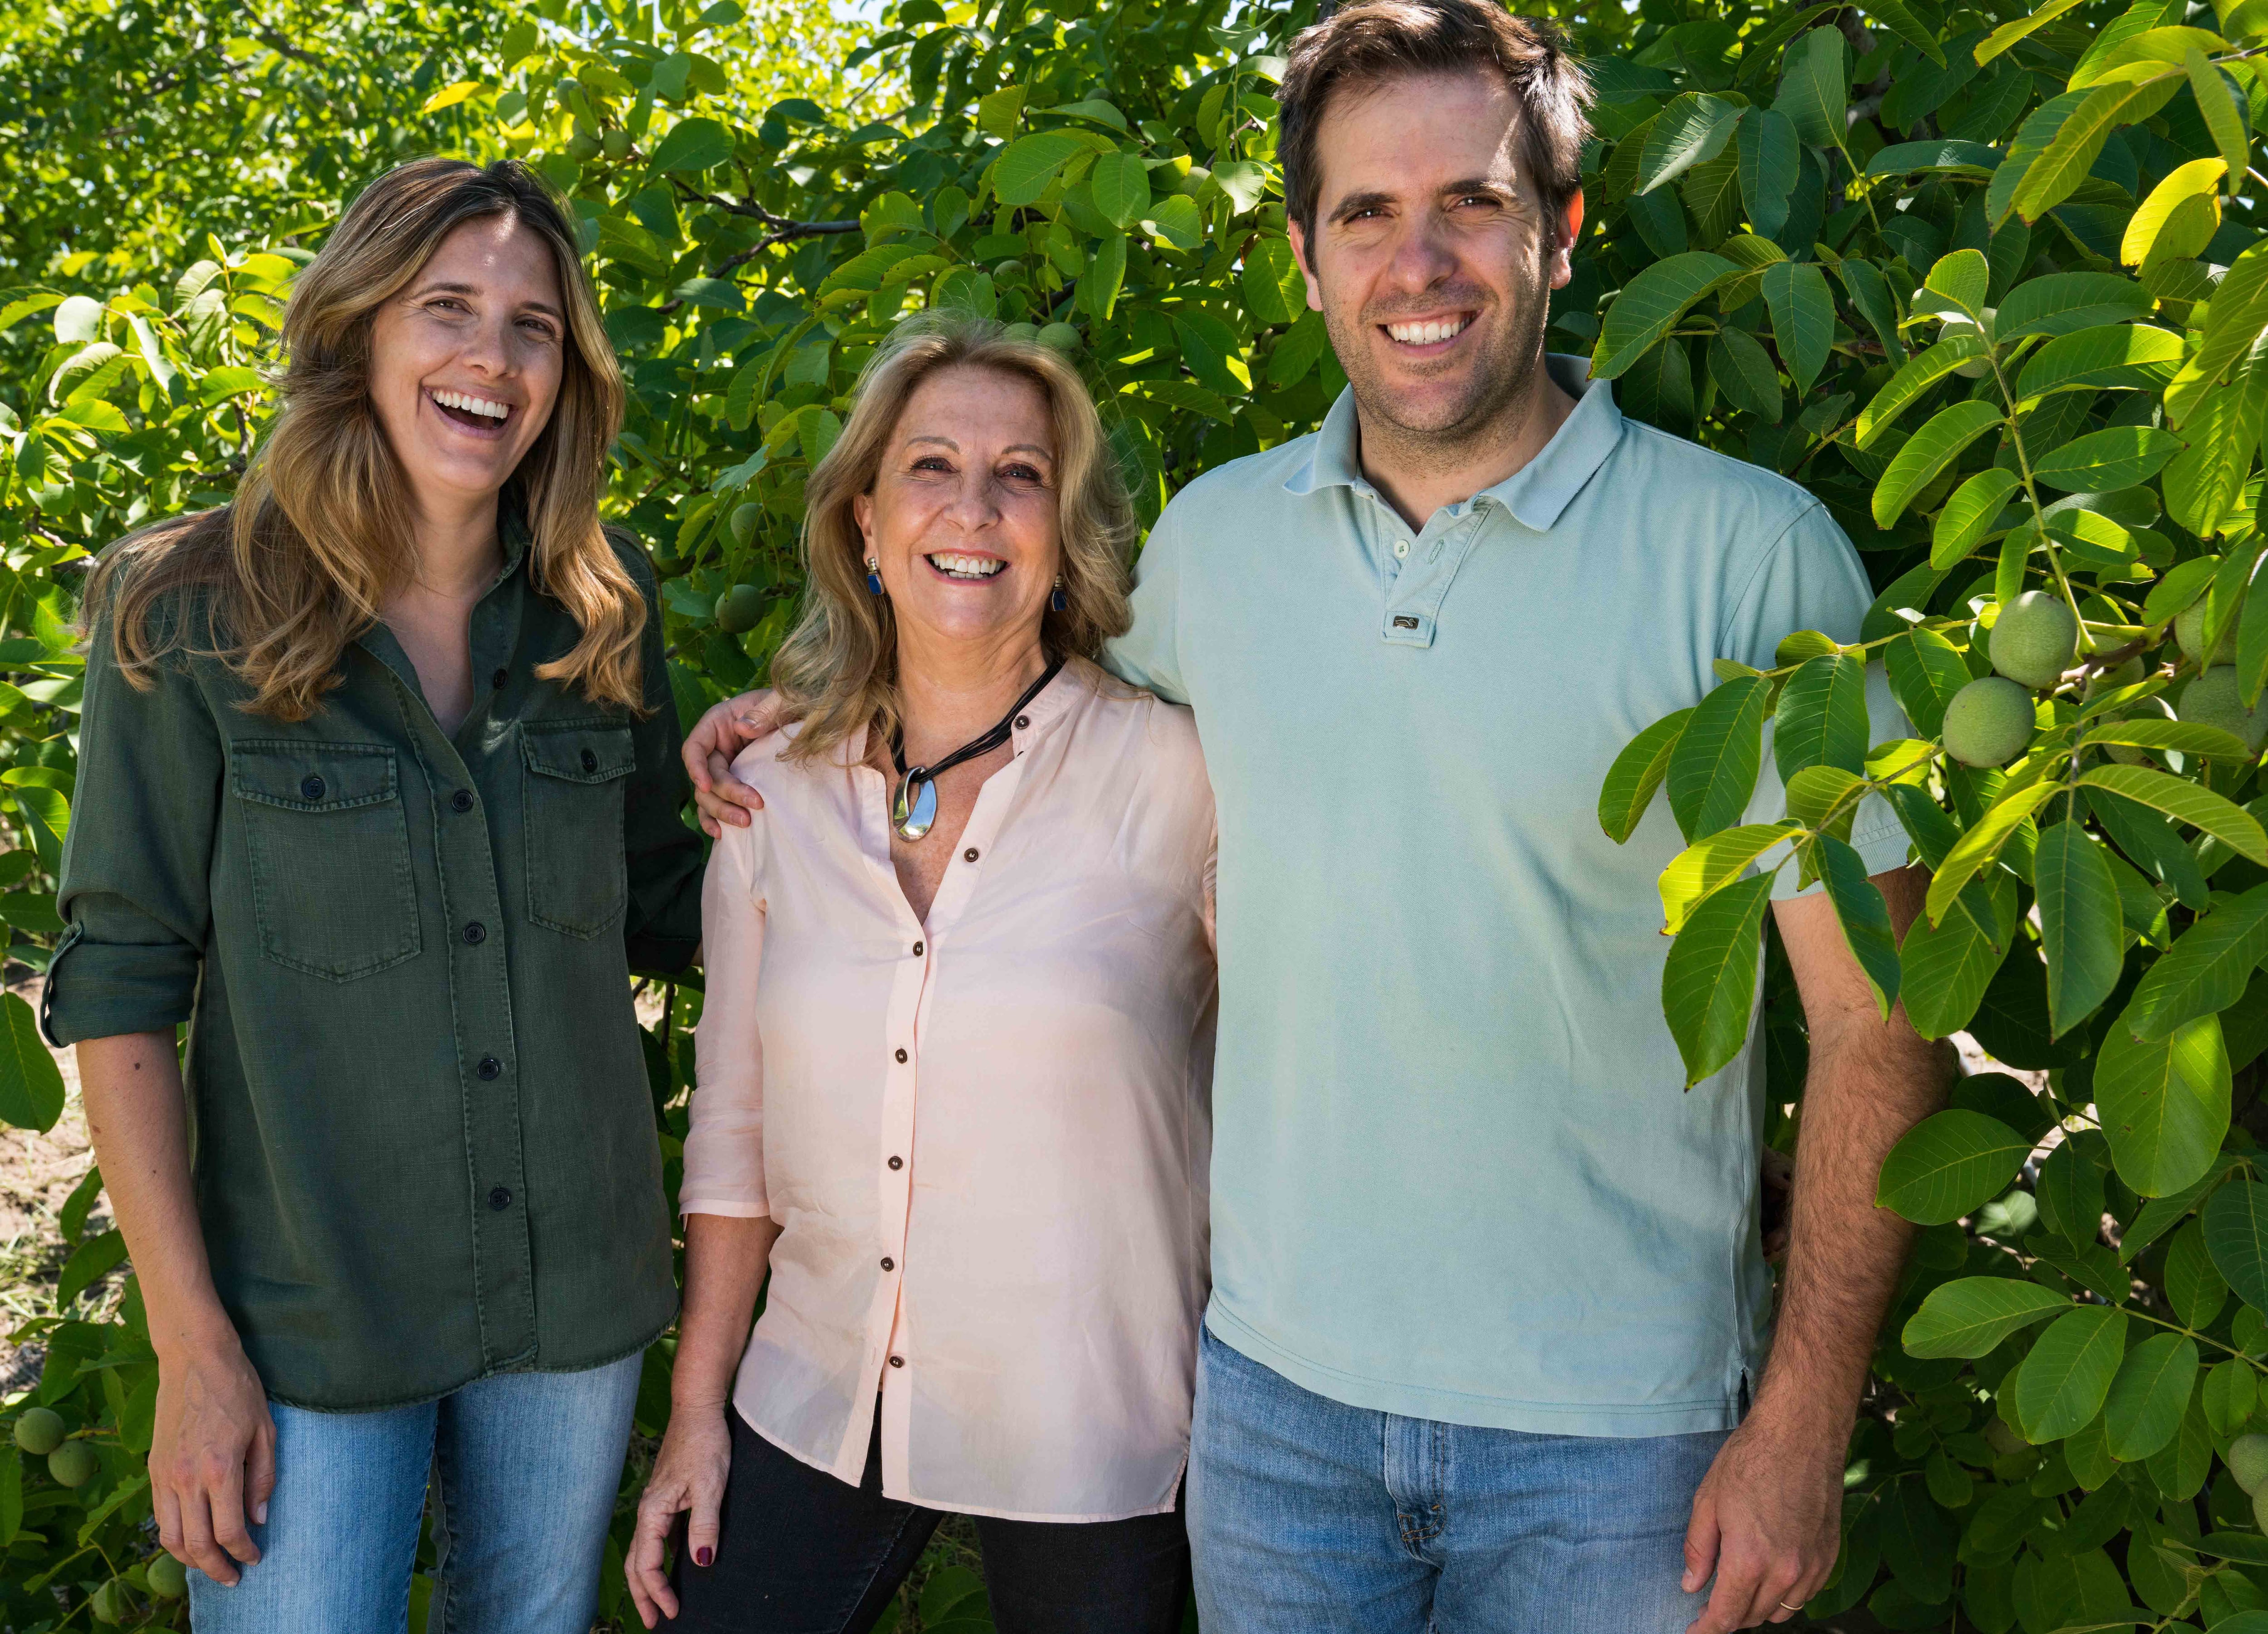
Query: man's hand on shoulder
1767	1521
715	737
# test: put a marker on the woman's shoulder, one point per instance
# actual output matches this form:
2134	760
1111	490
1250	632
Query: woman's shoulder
1167	731
171	574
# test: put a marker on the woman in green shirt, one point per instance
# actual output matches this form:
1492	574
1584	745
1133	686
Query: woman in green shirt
379	792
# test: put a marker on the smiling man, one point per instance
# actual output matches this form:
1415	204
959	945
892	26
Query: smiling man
1487	1348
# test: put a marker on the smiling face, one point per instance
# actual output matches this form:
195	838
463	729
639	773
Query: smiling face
1432	258
466	362
962	517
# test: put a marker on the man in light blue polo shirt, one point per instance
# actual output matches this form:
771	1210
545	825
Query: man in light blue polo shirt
1488	1299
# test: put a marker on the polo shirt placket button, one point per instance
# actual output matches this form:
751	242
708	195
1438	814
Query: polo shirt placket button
476	933
500	1199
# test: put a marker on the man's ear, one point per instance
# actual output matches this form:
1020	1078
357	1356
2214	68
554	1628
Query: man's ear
1299	238
1569	227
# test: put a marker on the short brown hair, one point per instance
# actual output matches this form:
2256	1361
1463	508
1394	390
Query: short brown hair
1377	39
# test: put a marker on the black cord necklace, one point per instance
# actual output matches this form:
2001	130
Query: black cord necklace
913	813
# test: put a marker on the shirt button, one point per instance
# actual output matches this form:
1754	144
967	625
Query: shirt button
499	1199
901	1056
476	933
461	801
311	788
897	1361
917	950
499	677
968	856
889	1264
1023	721
489	1068
1400	549
897	1163
590	761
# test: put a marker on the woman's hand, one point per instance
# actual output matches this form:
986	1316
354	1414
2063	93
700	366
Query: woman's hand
688	1474
212	1458
715	737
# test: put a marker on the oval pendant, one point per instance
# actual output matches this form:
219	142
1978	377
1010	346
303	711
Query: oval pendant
914	812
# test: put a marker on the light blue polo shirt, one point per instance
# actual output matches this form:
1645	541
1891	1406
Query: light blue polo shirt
1456	1174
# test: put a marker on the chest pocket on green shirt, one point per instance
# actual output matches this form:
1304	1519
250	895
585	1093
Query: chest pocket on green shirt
573	784
327	843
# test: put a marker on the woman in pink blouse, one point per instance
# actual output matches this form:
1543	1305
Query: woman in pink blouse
954	1061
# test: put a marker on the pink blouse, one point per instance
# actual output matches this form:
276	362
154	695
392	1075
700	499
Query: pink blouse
984	1137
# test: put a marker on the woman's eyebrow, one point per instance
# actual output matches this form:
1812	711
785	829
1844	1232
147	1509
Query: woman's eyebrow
545	307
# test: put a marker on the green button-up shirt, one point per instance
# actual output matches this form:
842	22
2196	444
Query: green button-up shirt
1456	1174
420	1129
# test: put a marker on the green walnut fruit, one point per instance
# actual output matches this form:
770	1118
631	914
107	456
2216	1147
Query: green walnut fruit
2127	674
40	1431
169	1578
1008	272
2247	1461
615	144
583	147
2035	639
1060	337
2188	631
739	609
73	1463
109	1604
1989	722
2214	699
1021	331
743	524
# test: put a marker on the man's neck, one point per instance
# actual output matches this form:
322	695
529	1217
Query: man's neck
949	692
1420	472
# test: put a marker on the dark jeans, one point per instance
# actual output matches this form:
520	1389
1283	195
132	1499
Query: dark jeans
800	1552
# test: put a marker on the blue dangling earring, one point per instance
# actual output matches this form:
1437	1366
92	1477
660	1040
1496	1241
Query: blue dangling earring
874	577
1059	602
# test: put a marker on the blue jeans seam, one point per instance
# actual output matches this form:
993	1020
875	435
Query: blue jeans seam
888	1553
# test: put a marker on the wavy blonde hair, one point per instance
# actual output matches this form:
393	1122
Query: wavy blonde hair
319	533
837	670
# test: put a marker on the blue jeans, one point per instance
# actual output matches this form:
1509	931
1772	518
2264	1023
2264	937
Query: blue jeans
1310	1517
523	1469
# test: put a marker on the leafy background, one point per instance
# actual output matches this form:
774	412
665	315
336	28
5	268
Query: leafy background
1982	280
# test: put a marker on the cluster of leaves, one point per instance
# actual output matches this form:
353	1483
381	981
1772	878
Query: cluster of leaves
1992	287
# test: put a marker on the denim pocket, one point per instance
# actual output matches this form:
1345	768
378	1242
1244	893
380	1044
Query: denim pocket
572	782
328	844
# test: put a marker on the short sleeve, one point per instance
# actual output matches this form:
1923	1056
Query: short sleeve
1148	655
135	890
1811	578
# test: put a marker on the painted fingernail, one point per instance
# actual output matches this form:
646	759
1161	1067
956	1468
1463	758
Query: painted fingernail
702	1556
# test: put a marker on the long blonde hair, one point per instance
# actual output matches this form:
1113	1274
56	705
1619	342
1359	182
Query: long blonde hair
320	532
837	670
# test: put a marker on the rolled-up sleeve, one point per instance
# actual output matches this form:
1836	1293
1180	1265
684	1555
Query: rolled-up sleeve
725	1147
136	891
662	928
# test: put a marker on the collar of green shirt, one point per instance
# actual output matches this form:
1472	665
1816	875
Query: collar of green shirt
1535	494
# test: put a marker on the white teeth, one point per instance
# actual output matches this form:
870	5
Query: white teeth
472	405
966	567
1426	334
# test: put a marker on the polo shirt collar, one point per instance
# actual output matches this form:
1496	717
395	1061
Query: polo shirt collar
1536	493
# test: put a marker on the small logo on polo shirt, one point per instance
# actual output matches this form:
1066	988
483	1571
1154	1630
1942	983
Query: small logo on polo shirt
1404	621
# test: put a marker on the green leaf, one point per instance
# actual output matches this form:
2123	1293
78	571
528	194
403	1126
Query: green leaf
2008	33
1946	153
1814	87
1948	1164
1908	25
1971	1316
1120	185
2185	802
2156	732
693	145
1968	515
31	1085
1709	981
1650	305
1925	670
1821	716
1275	291
2169	205
1708	865
1919	373
92	1260
2147	1398
1745	374
2238	308
1863	915
2236	1221
2061	1385
2205	970
2079	922
2163	1104
2215	103
1981	846
2205	480
1636	774
1944	973
2078	142
1712	771
1176	221
1803	310
1929	450
1963	278
1026	165
2059	303
1770	156
1691	131
2118	456
2109	354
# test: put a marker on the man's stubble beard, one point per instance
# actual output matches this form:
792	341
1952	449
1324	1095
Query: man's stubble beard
1493	409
